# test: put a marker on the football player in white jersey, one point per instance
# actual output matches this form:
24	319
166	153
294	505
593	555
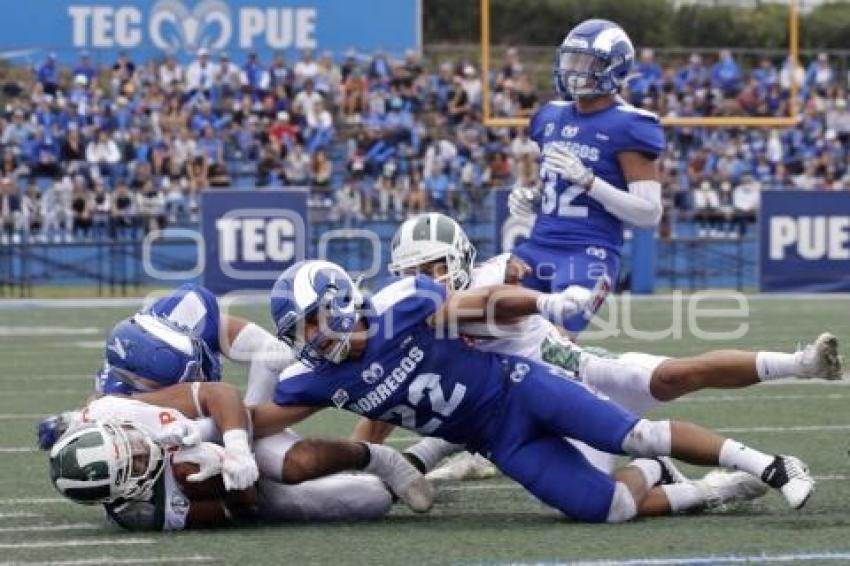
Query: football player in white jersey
435	244
131	455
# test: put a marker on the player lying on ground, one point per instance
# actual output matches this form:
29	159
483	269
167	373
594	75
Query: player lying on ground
178	339
149	465
396	357
437	246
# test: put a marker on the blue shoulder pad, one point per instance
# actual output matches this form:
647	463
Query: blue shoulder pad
643	132
419	296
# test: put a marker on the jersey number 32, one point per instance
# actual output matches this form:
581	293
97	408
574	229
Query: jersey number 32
561	205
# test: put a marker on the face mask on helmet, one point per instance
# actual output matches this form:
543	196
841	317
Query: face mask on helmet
319	332
443	252
593	60
106	461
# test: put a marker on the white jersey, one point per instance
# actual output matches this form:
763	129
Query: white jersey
522	338
167	507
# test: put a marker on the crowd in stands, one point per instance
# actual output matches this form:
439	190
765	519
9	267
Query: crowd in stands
92	151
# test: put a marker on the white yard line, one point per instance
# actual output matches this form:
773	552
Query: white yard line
760	398
18	515
33	500
49	527
76	542
114	560
720	559
802	428
17	449
20	416
23	330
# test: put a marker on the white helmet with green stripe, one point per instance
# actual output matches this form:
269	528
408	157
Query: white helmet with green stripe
101	462
429	238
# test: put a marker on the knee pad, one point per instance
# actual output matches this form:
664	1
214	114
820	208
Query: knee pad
648	438
623	505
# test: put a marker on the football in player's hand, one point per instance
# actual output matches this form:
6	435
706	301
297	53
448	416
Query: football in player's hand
207	489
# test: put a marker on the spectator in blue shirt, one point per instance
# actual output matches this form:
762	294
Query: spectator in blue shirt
726	74
766	75
647	78
820	76
693	75
48	74
85	68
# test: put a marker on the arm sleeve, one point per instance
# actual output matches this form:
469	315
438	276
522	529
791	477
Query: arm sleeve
640	206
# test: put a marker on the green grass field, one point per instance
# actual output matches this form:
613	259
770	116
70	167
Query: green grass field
47	356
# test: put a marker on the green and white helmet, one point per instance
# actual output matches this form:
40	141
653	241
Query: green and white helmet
101	462
432	237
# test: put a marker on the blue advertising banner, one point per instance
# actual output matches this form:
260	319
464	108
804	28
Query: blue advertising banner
251	237
149	28
805	241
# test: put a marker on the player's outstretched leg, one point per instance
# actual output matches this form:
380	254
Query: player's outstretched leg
696	445
566	408
641	381
286	458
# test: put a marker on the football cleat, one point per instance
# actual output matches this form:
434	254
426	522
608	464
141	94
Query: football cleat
402	478
791	477
821	360
464	466
721	489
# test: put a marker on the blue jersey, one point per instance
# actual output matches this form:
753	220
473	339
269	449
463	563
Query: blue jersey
568	216
408	375
191	307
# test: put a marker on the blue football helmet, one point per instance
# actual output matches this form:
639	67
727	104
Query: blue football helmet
594	60
310	288
159	352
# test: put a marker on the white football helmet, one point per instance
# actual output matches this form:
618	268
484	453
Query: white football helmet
102	462
432	237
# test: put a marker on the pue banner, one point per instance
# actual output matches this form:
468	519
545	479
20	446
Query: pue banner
805	241
151	28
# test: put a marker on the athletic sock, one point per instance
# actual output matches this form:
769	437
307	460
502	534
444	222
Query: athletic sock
651	470
737	456
429	451
683	496
776	365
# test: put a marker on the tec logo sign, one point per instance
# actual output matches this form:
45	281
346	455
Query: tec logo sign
259	243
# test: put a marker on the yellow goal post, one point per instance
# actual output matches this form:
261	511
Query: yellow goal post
704	122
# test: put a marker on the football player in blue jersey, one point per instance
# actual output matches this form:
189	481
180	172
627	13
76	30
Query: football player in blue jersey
599	167
396	357
180	338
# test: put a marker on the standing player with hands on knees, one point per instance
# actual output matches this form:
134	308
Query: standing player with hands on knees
599	170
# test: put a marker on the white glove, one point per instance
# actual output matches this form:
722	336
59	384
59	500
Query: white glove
558	159
208	456
239	470
558	307
179	433
522	201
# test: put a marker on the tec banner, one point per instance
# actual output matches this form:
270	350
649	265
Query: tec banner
251	237
805	241
148	28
